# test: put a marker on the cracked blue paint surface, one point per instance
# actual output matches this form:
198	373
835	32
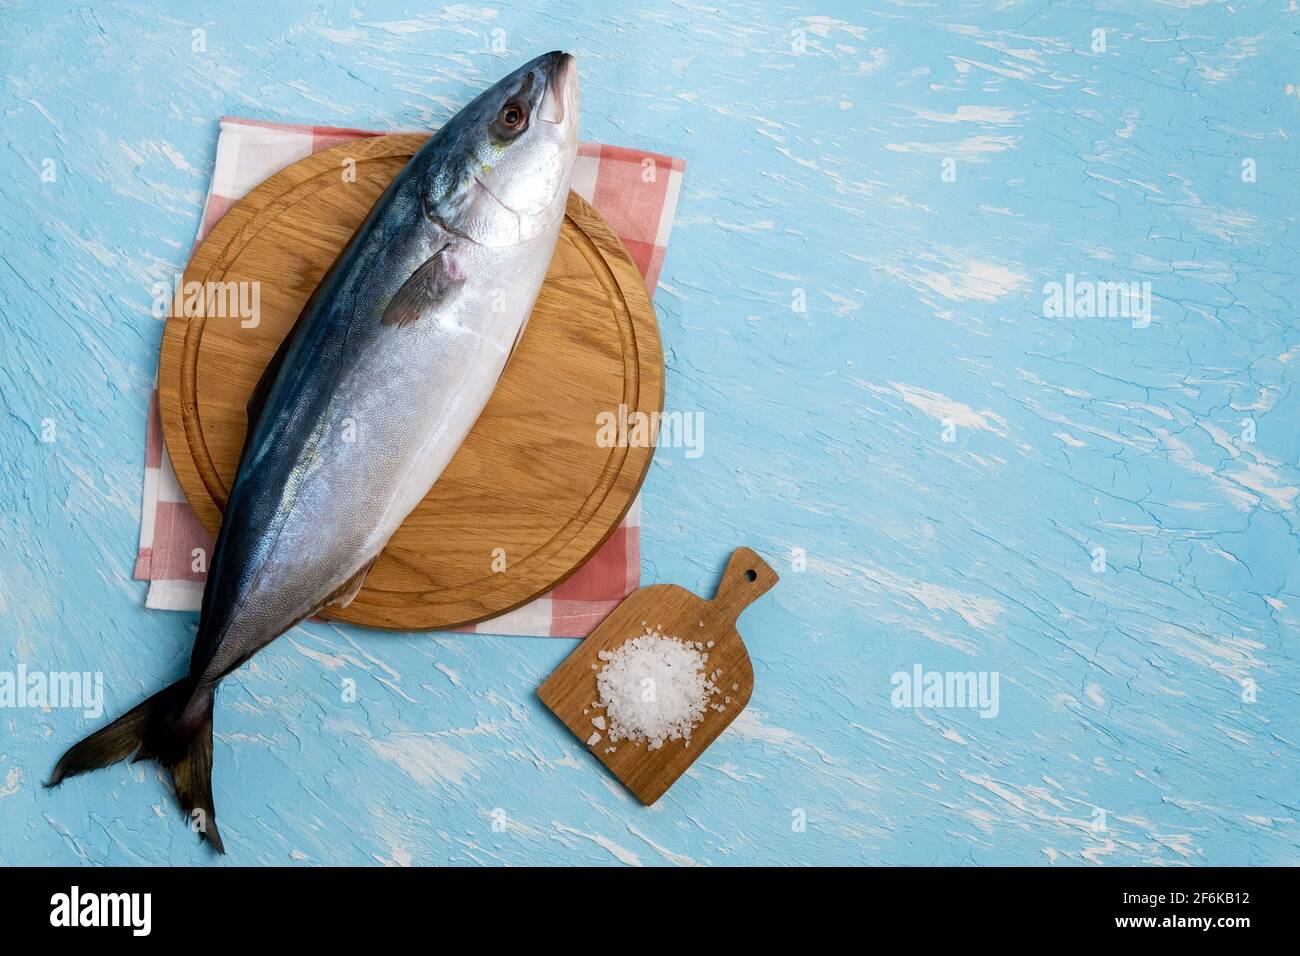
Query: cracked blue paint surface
876	197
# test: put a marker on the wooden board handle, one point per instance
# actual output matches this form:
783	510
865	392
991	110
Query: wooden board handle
747	578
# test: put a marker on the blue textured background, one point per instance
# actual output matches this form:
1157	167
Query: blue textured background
817	170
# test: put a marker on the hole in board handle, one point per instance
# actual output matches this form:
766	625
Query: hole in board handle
751	575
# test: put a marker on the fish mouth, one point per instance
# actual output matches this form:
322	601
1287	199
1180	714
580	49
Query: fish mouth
561	84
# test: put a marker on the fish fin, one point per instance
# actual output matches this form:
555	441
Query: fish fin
262	391
345	594
519	337
174	728
427	286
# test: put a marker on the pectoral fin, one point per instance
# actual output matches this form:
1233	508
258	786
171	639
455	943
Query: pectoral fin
424	290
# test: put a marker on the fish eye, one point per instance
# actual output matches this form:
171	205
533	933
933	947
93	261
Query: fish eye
512	119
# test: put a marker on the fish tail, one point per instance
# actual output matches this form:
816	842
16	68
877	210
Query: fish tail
173	728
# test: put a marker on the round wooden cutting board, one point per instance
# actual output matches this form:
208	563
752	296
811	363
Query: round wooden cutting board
530	489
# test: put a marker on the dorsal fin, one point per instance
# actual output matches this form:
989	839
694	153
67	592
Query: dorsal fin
262	391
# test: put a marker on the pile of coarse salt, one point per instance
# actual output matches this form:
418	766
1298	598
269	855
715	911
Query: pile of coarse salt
653	688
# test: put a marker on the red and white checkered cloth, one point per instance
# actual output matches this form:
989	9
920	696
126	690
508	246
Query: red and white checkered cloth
636	193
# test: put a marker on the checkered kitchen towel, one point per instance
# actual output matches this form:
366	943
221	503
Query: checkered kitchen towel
613	179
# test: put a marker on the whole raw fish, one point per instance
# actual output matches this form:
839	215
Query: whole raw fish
398	350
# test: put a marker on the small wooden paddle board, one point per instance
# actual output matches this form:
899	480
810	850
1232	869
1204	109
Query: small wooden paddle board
674	612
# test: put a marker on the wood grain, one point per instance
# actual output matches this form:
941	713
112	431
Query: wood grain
530	479
675	612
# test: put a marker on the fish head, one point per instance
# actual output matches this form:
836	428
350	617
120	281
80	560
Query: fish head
501	170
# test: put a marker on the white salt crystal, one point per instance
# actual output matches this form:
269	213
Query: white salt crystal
593	739
653	689
599	722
